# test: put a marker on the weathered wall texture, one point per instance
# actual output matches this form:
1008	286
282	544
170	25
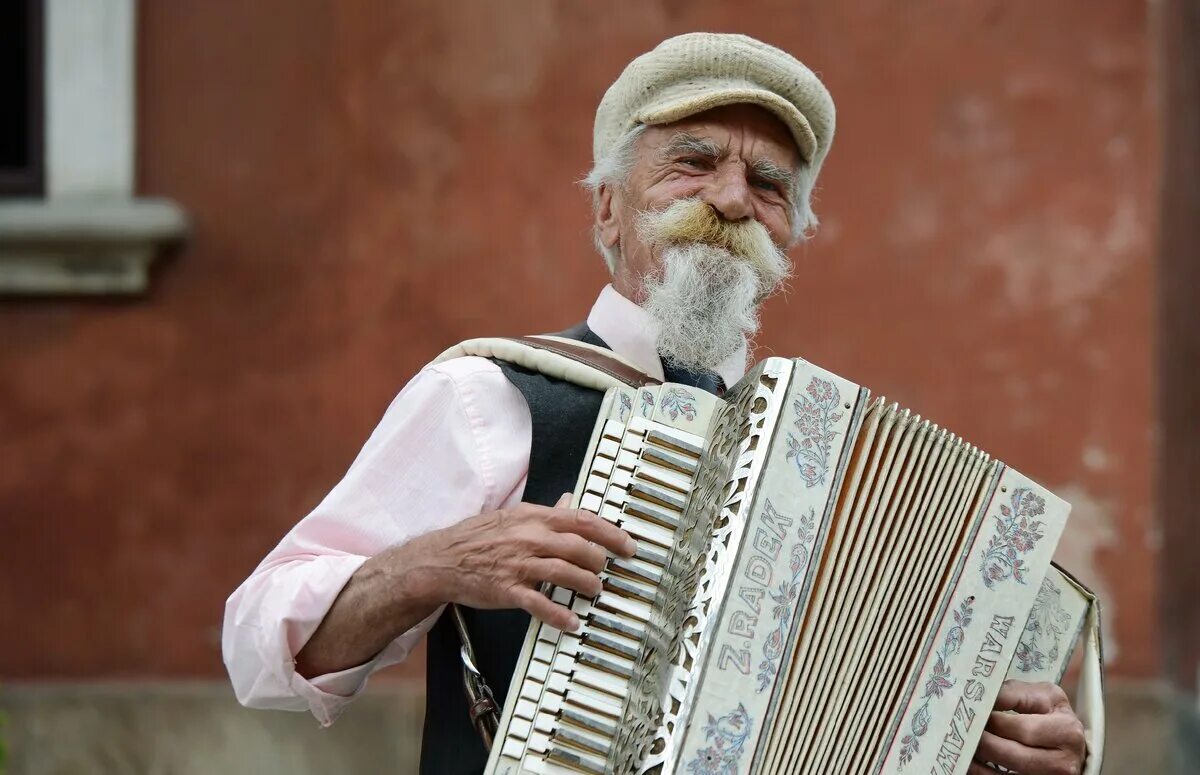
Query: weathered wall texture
373	181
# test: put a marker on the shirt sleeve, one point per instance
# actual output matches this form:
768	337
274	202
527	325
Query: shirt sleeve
454	443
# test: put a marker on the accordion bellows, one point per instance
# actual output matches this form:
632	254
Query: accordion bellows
824	583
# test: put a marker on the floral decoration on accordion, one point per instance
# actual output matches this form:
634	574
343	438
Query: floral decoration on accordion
726	737
647	407
784	596
1048	621
626	407
939	680
1017	533
677	401
816	414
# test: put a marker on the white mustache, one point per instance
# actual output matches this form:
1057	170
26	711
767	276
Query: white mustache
690	221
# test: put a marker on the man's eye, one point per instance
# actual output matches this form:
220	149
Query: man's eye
766	185
695	162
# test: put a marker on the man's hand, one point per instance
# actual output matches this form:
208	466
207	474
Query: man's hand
494	560
1043	736
498	559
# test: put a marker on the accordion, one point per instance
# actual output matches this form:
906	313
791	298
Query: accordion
824	583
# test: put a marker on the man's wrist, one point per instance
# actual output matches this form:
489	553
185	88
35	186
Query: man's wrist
414	575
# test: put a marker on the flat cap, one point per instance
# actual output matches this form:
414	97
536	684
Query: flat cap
692	73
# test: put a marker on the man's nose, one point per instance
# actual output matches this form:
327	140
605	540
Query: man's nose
729	194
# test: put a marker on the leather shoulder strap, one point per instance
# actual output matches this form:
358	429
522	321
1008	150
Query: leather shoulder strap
576	362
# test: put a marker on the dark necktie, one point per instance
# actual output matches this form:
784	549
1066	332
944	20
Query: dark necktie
705	380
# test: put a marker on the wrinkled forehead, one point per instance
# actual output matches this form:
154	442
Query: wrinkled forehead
743	130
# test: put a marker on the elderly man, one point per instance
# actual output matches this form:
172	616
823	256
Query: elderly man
706	152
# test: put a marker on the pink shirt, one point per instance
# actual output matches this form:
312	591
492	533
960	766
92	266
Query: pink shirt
453	444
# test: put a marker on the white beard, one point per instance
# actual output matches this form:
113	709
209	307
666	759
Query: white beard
711	278
705	301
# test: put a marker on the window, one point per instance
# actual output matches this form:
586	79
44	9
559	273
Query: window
21	88
70	219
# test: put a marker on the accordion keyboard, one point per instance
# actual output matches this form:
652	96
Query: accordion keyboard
570	703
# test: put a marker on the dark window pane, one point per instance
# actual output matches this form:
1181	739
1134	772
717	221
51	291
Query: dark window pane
20	97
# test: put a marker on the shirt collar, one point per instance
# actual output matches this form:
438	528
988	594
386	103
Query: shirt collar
631	333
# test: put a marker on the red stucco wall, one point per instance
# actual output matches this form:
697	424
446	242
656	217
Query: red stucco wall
371	182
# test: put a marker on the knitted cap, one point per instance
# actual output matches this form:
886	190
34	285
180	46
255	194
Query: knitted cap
692	73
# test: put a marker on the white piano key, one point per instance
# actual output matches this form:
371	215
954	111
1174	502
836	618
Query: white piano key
665	517
592	502
563	665
670	500
636	569
631	630
569	736
640	425
561	595
552	702
574	758
543	651
628	459
623	605
525	709
664	477
545	723
596	485
613	429
513	748
662	457
602	466
556	683
538	742
651	556
615	496
630	588
519	728
612	644
644	529
599	679
608	448
530	690
602	621
538	670
582	697
595	723
616	666
672	438
568	646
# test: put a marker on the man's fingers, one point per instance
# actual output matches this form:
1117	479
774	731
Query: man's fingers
1030	697
593	528
564	574
541	607
575	550
978	769
1008	753
564	501
1043	730
1022	758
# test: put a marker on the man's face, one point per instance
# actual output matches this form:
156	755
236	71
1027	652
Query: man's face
739	160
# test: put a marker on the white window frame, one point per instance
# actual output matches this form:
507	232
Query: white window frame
89	234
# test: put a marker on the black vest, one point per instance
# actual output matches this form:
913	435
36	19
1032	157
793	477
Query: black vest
563	416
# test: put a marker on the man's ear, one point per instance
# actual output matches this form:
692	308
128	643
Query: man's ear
608	228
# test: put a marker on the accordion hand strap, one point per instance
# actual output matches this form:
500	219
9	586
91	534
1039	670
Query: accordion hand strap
571	361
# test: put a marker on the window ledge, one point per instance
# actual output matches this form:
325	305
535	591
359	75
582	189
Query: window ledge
85	246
